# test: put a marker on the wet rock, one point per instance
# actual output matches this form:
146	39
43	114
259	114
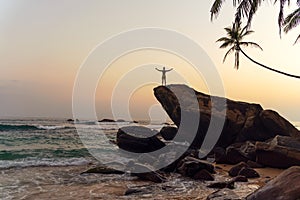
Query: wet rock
281	152
145	173
240	178
103	169
131	191
224	194
234	155
221	185
138	139
203	175
284	187
220	155
189	166
107	120
248	172
234	171
253	164
168	132
243	121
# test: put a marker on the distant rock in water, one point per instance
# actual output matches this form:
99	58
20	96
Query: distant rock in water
107	120
243	121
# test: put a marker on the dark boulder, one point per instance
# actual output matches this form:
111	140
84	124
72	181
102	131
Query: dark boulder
248	172
107	120
234	171
145	172
240	178
281	152
103	169
284	187
222	184
203	175
168	132
189	166
138	139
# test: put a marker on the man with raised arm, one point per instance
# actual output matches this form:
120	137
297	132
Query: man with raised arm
164	78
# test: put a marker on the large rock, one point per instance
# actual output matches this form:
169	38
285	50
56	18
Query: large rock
243	121
284	187
281	152
190	166
138	139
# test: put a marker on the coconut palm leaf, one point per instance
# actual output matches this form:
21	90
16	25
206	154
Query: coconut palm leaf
292	20
231	50
250	44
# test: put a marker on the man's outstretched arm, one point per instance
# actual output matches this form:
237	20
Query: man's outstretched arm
158	70
169	70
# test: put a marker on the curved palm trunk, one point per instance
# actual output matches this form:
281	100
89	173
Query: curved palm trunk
269	68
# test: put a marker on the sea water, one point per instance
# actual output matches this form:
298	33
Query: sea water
44	158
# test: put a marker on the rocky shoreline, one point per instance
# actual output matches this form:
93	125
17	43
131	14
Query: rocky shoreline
252	139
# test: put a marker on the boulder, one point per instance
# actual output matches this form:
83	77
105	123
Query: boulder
281	152
190	166
235	153
145	173
234	171
222	184
243	121
138	139
224	194
168	132
103	169
248	172
203	175
284	187
106	120
240	178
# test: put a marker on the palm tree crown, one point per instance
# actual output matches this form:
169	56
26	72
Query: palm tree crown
246	9
234	40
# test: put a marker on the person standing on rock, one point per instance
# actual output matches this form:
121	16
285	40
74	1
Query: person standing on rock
164	77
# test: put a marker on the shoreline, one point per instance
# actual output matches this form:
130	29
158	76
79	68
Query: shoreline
67	182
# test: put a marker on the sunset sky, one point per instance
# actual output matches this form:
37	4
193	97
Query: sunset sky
44	43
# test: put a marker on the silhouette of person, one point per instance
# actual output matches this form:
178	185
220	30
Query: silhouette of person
164	77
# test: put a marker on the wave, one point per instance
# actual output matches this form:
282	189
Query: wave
26	127
43	162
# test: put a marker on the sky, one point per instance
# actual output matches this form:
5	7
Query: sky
44	44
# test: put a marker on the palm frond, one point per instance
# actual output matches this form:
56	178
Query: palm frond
215	9
228	52
281	15
242	10
250	44
254	6
298	38
292	20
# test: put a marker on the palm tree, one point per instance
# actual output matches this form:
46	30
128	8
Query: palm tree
292	20
234	39
247	8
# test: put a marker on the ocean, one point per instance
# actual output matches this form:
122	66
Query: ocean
31	145
44	158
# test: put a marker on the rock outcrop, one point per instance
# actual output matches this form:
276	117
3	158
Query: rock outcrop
243	121
284	187
281	152
138	139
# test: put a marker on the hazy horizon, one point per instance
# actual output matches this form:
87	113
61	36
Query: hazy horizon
45	42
